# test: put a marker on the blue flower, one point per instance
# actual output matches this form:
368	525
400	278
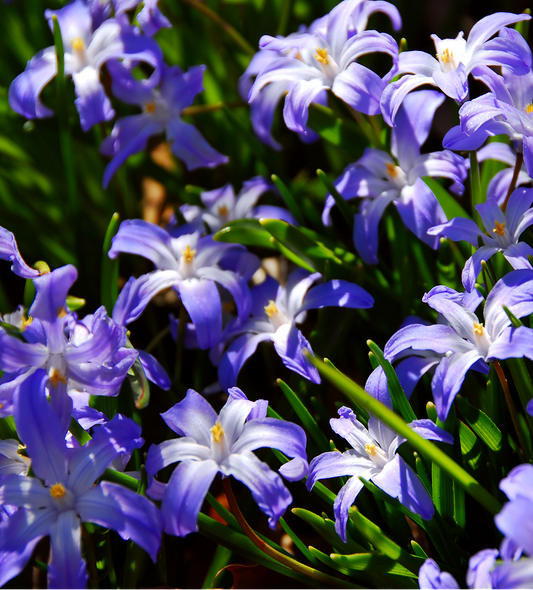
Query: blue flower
324	58
274	314
189	264
377	180
63	495
162	107
85	53
505	230
223	443
373	457
86	356
351	15
456	58
466	343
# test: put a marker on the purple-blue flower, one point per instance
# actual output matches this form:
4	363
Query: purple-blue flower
189	264
162	108
325	58
81	357
504	231
9	251
352	14
466	343
63	495
431	577
275	311
506	109
374	458
86	51
455	59
220	206
377	179
223	443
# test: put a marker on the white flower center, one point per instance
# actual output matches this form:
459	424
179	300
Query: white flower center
450	52
501	235
377	454
396	176
219	443
481	338
62	497
277	318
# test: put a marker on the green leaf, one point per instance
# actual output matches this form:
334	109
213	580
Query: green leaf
480	423
399	400
313	253
423	446
375	561
289	199
418	550
333	129
247	232
109	272
470	447
305	416
325	527
340	201
451	207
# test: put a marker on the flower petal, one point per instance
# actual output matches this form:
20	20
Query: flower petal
67	568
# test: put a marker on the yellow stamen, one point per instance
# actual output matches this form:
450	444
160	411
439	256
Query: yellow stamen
56	376
217	431
222	210
78	44
271	309
322	55
478	329
149	107
1	406
57	490
499	228
188	254
61	312
392	170
26	322
370	448
446	56
529	108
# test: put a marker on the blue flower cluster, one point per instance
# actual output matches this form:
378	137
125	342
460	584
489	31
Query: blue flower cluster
54	362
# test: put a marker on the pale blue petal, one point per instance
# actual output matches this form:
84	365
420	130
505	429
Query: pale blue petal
201	300
344	500
173	451
185	494
193	417
266	485
399	481
132	516
67	568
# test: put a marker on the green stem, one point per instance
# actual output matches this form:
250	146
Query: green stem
225	26
367	129
270	551
340	201
209	108
157	339
109	280
91	557
423	446
286	7
512	410
65	139
516	172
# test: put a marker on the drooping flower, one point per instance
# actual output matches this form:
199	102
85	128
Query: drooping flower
63	495
274	314
505	231
223	444
377	180
466	342
352	14
162	108
325	58
374	458
187	263
86	50
455	59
